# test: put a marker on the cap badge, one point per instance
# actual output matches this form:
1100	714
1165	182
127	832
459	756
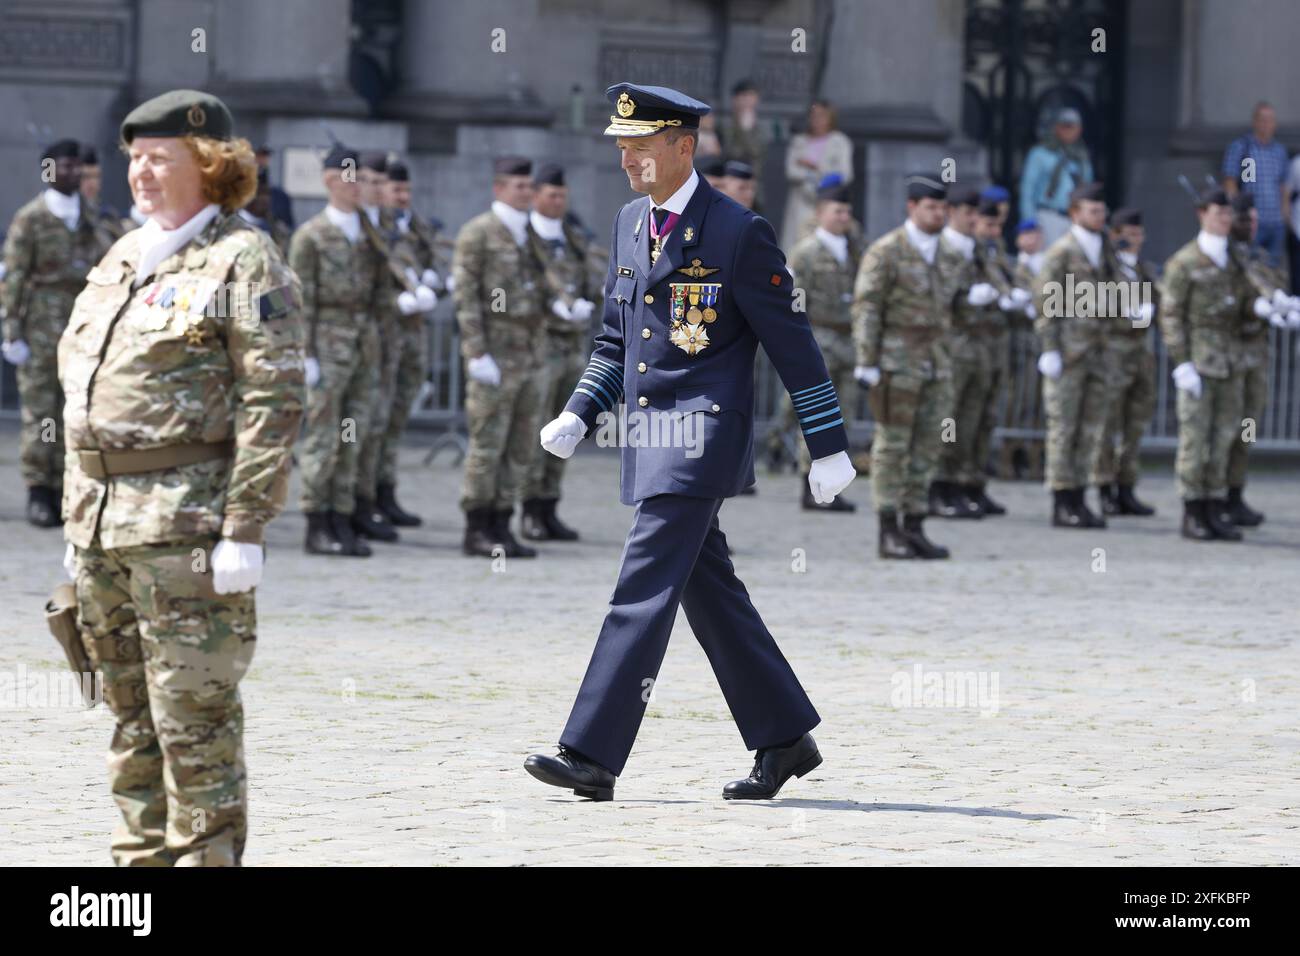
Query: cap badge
625	106
196	117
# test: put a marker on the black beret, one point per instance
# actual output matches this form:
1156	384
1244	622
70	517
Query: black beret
549	174
1126	216
990	208
512	166
925	186
398	171
339	157
964	196
62	149
834	192
744	86
375	160
179	113
1243	202
712	166
646	110
1090	192
88	155
738	170
1212	196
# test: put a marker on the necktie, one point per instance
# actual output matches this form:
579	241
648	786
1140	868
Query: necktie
661	215
660	220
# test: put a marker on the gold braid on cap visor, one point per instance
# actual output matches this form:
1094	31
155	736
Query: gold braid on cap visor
619	121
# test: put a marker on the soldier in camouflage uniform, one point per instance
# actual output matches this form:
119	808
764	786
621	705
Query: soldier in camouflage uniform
824	268
1077	367
341	279
500	309
1133	401
902	318
977	345
182	364
50	246
573	286
107	220
258	213
1205	297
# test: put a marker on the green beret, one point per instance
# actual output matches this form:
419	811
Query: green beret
179	113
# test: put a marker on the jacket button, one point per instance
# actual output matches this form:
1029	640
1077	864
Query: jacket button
641	367
717	407
649	299
645	333
643	401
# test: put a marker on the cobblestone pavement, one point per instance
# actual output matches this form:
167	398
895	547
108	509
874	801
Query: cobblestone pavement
1141	714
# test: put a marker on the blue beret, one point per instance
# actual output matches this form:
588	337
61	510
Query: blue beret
1026	225
995	193
646	110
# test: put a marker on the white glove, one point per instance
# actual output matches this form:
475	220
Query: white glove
1030	311
407	303
1292	304
449	285
981	293
16	352
829	476
429	278
236	566
1263	307
1145	313
311	371
867	375
1293	319
1188	379
582	309
70	561
1006	303
1049	364
1281	301
562	310
561	436
425	298
1021	297
484	370
1277	320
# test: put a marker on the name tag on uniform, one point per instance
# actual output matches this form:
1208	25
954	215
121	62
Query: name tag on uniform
625	272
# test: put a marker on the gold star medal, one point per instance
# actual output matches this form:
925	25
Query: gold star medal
194	333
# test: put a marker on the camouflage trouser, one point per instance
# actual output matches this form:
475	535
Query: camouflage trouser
412	361
1077	405
338	418
840	355
504	421
1133	401
41	440
975	386
1208	428
381	409
171	651
1254	398
909	412
565	361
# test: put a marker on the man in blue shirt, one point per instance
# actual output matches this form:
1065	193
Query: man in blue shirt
1256	163
1054	169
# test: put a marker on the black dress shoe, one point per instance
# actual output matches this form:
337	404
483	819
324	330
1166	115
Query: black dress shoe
571	770
42	509
386	499
773	766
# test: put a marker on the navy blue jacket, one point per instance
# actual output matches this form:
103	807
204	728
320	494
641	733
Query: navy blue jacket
711	393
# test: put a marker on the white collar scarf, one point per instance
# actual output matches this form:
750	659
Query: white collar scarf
349	223
546	227
157	243
962	243
515	220
1090	241
67	208
927	244
1216	247
838	246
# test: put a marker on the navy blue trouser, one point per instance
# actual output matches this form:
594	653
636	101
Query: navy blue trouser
677	554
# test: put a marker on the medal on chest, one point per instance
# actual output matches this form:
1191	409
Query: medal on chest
692	311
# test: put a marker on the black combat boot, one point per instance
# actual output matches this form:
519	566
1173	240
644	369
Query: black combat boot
1090	518
501	529
321	538
43	510
1241	513
947	501
892	543
1129	504
479	538
808	503
914	531
386	499
1064	513
369	522
1109	499
1194	524
1219	519
977	495
532	522
352	545
558	530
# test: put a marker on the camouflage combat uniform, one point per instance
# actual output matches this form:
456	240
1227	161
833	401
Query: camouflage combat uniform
1250	363
1202	311
340	282
902	319
388	321
1133	398
46	268
179	363
500	309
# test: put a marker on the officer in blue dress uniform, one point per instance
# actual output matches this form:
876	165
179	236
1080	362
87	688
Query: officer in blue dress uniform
695	284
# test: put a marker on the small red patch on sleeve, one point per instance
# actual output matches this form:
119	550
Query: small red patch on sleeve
776	278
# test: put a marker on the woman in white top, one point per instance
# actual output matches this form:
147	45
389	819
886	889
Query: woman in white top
812	155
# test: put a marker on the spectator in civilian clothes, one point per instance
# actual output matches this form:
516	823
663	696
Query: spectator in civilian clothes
1054	169
1261	177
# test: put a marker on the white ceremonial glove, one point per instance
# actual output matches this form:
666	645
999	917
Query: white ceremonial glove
1188	379
70	561
1292	304
1050	365
429	278
1021	297
582	309
1145	313
561	436
867	375
562	310
1293	319
236	566
1006	303
449	285
1277	320
484	370
311	371
1263	307
425	299
981	293
1281	301
1030	311
829	476
16	352
407	303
